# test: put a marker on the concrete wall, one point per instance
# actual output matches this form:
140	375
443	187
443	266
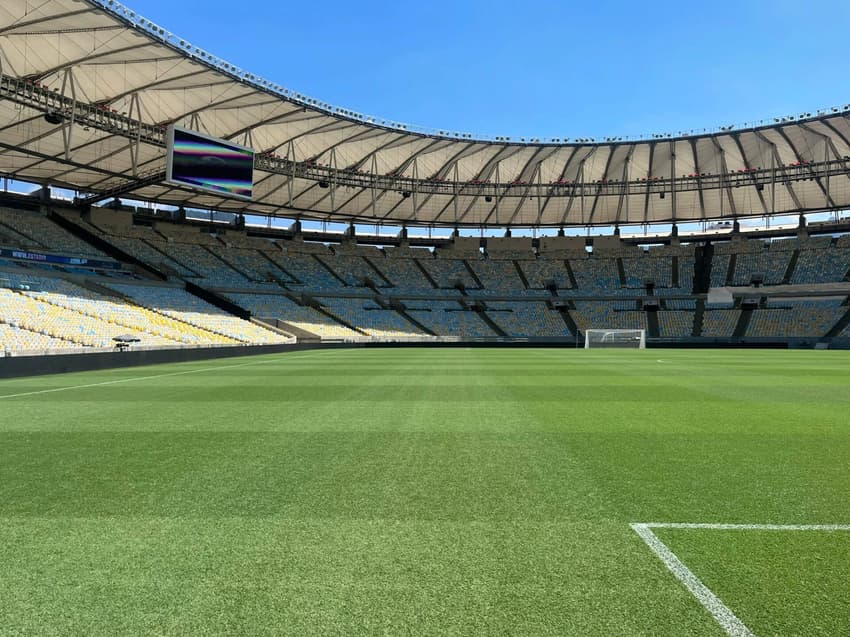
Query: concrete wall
17	366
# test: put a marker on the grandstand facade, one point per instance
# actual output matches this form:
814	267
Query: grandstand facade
90	116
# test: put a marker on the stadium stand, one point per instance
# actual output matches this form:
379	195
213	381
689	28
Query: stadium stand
542	271
720	269
497	275
447	272
448	318
35	230
795	318
527	319
310	273
182	306
371	318
675	323
346	291
720	323
596	275
302	317
14	339
821	264
354	270
592	314
406	275
645	268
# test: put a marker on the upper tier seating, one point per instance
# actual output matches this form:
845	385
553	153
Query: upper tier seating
822	265
141	242
539	272
354	270
446	272
41	233
720	270
406	276
497	275
310	273
212	269
641	269
771	263
597	275
257	265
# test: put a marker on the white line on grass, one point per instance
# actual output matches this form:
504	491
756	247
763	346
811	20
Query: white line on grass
748	527
721	613
137	378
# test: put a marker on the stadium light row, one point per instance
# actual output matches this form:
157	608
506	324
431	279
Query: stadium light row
131	17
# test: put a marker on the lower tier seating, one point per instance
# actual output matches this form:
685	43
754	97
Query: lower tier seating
371	318
675	323
527	319
182	306
15	339
605	315
720	323
448	318
800	321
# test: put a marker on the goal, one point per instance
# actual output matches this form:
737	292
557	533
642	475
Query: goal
635	339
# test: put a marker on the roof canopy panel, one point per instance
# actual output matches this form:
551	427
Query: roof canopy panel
110	81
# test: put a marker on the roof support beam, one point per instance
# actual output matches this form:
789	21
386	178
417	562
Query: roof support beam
799	157
737	138
537	161
600	185
699	178
24	24
673	205
724	178
624	185
827	147
561	177
785	179
649	177
41	75
578	183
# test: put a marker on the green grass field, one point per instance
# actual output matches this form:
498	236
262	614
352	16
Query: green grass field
426	491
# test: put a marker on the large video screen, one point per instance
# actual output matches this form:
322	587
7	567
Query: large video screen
210	164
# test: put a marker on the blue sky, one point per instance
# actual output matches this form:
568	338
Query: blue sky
556	69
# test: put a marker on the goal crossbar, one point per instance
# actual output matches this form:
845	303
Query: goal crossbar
596	338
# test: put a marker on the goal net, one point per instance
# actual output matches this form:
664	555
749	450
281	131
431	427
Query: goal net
635	339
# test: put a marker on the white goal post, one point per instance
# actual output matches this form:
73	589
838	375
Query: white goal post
635	339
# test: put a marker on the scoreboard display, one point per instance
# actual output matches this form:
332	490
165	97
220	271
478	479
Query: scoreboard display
210	164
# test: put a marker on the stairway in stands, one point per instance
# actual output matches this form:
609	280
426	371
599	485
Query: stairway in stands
702	269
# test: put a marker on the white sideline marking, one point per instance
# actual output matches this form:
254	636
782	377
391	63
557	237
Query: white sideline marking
721	613
135	378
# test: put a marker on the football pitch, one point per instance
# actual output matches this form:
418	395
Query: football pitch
431	491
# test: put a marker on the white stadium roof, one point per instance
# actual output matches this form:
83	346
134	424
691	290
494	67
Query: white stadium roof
88	88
